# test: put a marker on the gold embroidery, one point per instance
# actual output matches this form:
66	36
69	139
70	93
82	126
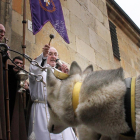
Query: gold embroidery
47	3
45	8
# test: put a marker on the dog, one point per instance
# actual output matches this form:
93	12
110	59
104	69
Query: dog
100	108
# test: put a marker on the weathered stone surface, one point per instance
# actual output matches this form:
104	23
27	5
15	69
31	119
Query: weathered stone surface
102	31
64	3
110	52
129	53
105	22
98	44
79	28
66	17
95	11
17	6
82	61
88	31
72	39
29	35
83	3
85	50
95	2
74	7
17	23
101	61
16	44
87	18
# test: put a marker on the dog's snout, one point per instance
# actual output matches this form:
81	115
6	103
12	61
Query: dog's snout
52	127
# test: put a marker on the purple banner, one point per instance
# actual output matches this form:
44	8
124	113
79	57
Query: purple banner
43	11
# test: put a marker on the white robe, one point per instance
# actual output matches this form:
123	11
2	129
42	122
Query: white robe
39	111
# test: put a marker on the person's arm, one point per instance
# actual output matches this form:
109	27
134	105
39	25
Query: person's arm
34	69
45	50
64	68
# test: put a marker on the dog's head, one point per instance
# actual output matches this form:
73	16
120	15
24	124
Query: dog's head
59	98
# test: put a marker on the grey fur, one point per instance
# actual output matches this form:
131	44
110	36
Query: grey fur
75	69
101	103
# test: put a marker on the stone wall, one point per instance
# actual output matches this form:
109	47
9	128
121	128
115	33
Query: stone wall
130	54
128	41
88	31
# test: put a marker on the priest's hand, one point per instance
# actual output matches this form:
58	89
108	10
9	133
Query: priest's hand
45	50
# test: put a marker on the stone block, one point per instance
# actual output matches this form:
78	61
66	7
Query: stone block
137	73
83	3
104	1
72	39
17	6
105	9
136	66
98	43
95	2
74	7
16	43
113	65
95	11
79	29
126	74
2	12
64	3
102	31
87	18
133	72
132	57
125	56
117	63
110	52
85	50
101	61
28	10
132	63
66	17
29	35
126	66
17	25
101	5
95	67
33	50
123	46
105	22
82	61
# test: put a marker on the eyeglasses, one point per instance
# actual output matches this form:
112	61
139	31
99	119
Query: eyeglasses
51	54
2	31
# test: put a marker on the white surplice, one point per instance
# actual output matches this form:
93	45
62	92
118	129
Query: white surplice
39	111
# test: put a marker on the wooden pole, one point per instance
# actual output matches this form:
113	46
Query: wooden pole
7	101
24	44
3	120
24	28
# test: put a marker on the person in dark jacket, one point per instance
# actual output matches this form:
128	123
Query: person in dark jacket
13	82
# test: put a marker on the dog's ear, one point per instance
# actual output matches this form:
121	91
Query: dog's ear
89	69
51	79
75	68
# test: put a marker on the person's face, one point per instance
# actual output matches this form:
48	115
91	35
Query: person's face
2	32
18	63
52	56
